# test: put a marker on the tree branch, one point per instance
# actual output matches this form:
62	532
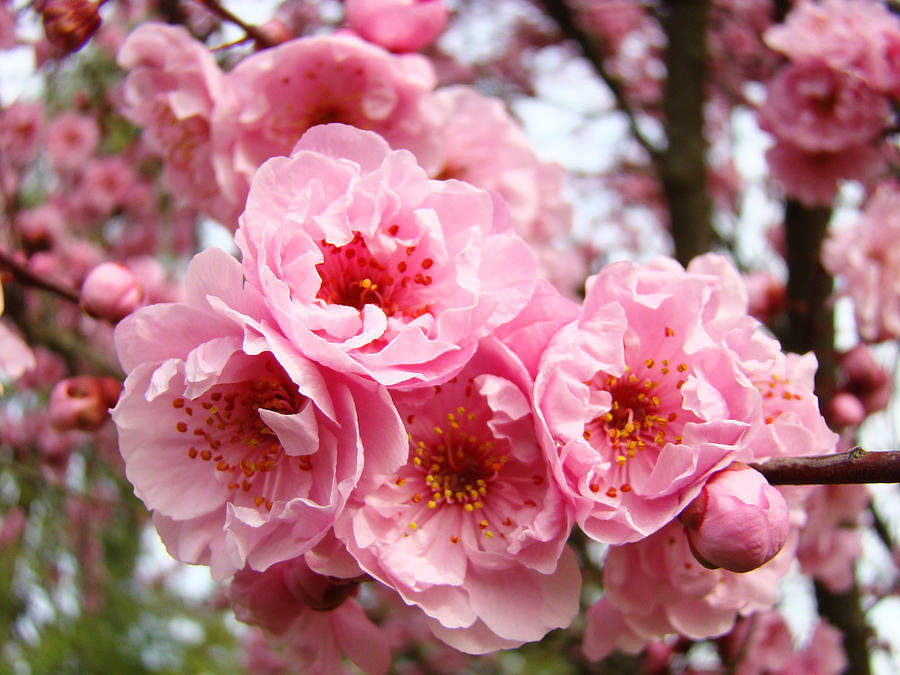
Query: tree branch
683	163
854	466
259	37
29	278
593	50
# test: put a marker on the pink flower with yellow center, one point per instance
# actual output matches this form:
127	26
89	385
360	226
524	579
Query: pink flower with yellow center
370	267
245	451
471	528
645	396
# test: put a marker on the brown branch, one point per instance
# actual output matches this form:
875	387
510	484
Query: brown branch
29	278
593	50
854	466
683	164
259	37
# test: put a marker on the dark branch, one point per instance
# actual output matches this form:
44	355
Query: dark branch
854	466
259	37
593	50
29	278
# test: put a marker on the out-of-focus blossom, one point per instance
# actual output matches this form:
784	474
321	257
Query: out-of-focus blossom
244	450
738	521
71	140
866	260
21	132
69	24
370	267
16	357
82	402
397	25
111	292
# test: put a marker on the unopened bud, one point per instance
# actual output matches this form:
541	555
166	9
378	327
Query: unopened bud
111	291
69	24
82	402
738	521
397	25
845	410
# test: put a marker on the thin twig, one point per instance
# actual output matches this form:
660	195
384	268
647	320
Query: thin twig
259	37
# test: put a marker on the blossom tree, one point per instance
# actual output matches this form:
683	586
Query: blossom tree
444	336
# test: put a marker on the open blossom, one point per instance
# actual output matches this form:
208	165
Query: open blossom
645	395
850	36
819	109
172	87
71	140
275	95
655	587
312	615
472	529
244	450
370	267
866	260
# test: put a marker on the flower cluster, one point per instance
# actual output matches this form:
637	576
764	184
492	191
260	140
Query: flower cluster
383	390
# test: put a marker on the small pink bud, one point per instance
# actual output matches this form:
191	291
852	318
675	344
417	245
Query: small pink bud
845	410
738	521
397	25
276	31
82	402
111	291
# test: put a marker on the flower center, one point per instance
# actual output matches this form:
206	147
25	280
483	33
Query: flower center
352	276
226	430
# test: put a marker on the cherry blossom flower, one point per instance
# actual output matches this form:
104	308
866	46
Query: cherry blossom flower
312	616
655	587
71	140
485	146
244	450
370	267
818	109
172	87
398	25
646	396
277	94
472	528
21	130
866	261
16	357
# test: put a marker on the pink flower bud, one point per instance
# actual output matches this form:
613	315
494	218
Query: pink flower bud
397	25
845	410
738	521
111	291
82	402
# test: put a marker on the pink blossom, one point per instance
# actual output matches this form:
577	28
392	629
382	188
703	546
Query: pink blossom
105	183
824	655
485	146
82	402
277	94
472	528
829	542
866	262
172	88
111	291
738	521
760	644
813	177
311	616
21	128
397	25
865	378
646	396
370	267
852	36
655	587
818	109
15	356
71	140
244	450
42	226
845	410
